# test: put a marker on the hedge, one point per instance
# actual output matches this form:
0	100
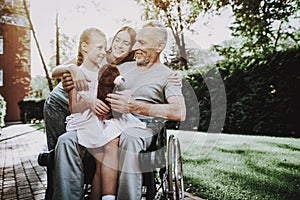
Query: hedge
262	94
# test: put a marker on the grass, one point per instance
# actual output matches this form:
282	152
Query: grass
235	167
223	166
38	126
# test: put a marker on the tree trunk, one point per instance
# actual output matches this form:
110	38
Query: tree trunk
38	46
57	41
181	47
278	36
183	55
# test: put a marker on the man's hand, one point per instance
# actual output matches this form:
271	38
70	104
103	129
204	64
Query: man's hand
176	79
121	101
80	81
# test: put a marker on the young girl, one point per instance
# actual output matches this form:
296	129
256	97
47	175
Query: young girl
83	120
84	106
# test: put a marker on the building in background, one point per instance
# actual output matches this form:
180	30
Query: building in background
14	58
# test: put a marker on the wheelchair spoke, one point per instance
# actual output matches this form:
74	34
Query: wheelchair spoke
170	167
178	172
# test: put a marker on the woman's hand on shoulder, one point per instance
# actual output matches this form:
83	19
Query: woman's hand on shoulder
176	79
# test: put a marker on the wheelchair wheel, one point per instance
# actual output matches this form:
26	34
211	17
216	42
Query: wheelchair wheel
175	176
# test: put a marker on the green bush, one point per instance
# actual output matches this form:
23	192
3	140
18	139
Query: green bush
262	94
2	111
31	109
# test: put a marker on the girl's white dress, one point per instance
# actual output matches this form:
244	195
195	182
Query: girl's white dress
91	131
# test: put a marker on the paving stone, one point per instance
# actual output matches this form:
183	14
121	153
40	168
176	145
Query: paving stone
25	196
20	175
41	190
39	196
9	197
24	191
24	187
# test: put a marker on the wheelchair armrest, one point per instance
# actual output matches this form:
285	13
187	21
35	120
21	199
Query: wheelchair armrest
154	156
46	158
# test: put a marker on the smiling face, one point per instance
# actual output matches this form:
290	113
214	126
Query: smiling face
121	45
92	45
95	48
147	47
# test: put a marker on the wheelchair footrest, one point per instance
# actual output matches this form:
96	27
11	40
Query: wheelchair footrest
46	158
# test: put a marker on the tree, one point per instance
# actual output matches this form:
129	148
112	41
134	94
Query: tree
37	44
178	15
13	12
67	49
263	24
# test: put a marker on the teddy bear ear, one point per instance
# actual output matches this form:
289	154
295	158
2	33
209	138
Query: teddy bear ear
119	80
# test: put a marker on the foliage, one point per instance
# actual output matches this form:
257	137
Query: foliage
267	85
207	87
224	166
2	111
197	58
39	89
264	25
66	49
11	12
262	94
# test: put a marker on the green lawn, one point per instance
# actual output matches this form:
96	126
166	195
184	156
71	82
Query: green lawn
39	126
224	166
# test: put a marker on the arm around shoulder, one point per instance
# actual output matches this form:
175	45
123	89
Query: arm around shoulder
61	69
175	109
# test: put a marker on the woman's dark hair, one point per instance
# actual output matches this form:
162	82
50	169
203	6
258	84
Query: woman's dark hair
132	34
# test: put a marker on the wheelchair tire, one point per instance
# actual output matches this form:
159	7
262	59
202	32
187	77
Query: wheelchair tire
175	175
178	172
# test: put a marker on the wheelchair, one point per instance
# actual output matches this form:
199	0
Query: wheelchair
161	164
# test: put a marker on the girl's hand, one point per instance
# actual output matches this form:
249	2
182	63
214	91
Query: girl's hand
99	107
176	79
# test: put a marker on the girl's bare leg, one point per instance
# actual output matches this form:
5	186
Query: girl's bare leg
109	170
96	184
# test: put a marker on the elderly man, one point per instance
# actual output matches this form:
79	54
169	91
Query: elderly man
148	93
151	95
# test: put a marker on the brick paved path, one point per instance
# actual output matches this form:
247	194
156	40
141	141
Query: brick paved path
20	175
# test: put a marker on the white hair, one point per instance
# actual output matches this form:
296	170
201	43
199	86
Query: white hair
161	29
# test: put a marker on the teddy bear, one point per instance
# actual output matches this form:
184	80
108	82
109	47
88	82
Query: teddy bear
109	80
